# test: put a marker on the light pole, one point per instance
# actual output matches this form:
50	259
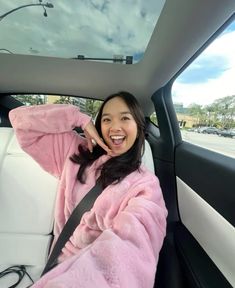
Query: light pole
44	6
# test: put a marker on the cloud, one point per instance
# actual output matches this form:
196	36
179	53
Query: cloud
198	72
93	28
211	76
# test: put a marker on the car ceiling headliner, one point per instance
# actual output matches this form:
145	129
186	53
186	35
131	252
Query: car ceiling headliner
183	27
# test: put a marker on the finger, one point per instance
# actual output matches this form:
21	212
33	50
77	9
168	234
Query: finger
91	133
93	142
111	153
97	140
89	144
103	145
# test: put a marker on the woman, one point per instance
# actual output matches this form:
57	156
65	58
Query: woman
118	241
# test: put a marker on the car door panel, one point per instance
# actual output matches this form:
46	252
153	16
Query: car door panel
199	184
199	269
214	180
205	182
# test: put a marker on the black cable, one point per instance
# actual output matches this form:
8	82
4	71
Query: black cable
20	270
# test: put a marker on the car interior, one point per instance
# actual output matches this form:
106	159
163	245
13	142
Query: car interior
197	183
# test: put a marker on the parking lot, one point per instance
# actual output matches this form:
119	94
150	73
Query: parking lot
213	142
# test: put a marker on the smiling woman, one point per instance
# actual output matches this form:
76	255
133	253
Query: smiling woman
119	227
115	25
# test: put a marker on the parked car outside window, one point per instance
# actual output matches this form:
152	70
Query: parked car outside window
210	130
227	133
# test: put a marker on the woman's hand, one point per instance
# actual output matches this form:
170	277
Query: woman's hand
92	136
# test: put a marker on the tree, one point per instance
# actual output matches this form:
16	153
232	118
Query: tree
153	118
198	111
224	109
221	113
228	112
92	107
64	100
213	113
31	99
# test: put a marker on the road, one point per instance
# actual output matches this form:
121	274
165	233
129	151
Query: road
216	143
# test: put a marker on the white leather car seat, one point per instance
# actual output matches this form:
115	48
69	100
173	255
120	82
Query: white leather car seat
27	197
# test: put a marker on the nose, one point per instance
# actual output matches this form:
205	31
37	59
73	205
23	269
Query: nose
115	126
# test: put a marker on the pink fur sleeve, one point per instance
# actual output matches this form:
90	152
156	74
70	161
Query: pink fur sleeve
45	132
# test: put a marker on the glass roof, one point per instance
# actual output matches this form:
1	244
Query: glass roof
92	28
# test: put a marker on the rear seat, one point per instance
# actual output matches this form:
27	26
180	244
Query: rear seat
27	197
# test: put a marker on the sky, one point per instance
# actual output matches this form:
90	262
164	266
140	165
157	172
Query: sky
104	28
211	76
93	28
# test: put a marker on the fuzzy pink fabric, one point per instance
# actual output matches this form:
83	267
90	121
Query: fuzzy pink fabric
118	241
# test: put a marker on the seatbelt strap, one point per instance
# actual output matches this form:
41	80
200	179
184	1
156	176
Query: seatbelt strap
84	205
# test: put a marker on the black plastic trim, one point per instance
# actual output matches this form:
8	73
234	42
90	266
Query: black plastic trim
9	102
200	270
164	168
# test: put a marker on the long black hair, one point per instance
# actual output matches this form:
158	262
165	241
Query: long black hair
116	168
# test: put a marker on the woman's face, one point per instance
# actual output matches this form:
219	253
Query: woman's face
118	127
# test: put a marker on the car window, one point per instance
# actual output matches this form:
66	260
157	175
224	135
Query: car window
94	30
204	97
153	118
88	106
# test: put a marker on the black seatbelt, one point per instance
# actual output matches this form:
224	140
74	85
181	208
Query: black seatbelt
85	205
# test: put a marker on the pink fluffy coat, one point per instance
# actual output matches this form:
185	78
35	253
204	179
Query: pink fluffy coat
118	241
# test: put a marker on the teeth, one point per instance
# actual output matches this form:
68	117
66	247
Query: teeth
117	137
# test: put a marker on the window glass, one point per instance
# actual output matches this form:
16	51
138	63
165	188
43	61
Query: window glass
78	29
88	106
153	118
204	96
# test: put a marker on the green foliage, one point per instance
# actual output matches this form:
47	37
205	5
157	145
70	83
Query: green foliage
30	99
88	106
153	118
65	100
92	107
221	113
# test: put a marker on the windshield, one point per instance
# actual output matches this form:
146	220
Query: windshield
94	28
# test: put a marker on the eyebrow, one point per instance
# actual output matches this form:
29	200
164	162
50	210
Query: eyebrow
122	113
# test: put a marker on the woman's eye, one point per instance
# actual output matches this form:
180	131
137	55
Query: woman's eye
125	118
106	120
